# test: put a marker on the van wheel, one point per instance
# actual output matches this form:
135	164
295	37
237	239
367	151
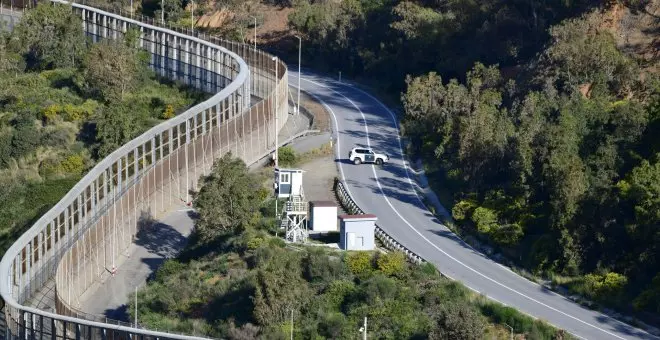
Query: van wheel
357	161
379	161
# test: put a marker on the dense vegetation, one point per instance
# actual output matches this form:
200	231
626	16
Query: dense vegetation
542	134
558	167
63	106
236	280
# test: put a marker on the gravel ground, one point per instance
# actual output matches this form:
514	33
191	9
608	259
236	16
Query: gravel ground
318	178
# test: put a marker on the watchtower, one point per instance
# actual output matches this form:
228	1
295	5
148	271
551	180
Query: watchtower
288	184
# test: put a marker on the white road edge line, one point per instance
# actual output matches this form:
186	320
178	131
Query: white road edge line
408	223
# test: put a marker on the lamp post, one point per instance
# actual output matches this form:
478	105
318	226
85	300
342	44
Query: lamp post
276	121
511	330
276	115
136	306
291	324
162	11
363	329
192	16
299	60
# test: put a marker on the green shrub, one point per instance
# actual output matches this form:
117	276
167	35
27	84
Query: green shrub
286	155
391	263
73	164
649	299
485	219
359	263
168	112
337	291
169	268
463	210
49	167
255	243
606	286
521	323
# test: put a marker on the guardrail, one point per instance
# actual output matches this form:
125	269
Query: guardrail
81	237
352	208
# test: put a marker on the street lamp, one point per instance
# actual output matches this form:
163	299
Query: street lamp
274	58
276	115
299	59
363	329
511	330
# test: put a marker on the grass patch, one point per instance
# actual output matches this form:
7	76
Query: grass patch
289	158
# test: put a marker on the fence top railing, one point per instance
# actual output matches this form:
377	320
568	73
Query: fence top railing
99	168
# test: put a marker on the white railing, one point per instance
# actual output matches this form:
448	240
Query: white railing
82	236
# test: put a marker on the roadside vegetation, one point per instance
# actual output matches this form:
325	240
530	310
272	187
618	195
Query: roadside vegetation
65	103
557	167
236	280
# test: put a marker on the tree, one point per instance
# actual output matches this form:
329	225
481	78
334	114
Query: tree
116	125
280	289
9	61
113	68
456	320
25	137
52	36
228	199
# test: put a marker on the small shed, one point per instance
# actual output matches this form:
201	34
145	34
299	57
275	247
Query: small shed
356	232
323	216
288	182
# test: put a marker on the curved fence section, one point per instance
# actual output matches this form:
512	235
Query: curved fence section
82	237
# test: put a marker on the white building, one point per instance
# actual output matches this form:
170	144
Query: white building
288	182
357	232
323	216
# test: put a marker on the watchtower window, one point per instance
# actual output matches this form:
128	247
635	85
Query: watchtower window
284	178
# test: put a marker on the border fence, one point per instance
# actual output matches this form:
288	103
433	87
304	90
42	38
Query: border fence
82	236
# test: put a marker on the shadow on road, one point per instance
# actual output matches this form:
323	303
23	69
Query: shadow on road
158	238
120	313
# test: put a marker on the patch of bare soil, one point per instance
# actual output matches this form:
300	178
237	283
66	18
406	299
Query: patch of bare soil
215	19
637	32
275	25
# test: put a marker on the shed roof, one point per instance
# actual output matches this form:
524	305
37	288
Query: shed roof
358	217
289	170
323	203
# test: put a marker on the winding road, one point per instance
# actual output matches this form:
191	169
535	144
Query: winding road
359	119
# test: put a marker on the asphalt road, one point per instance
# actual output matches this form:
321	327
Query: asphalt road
361	120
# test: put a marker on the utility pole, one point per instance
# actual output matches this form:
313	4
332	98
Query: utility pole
192	15
291	324
136	306
299	60
162	11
